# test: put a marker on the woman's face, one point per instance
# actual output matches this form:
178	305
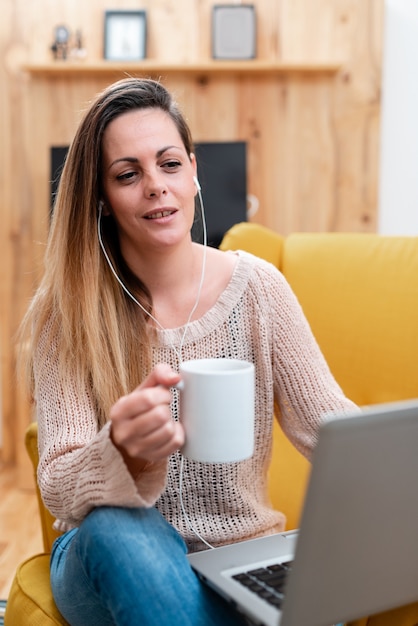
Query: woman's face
147	180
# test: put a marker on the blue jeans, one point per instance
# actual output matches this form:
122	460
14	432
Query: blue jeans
128	567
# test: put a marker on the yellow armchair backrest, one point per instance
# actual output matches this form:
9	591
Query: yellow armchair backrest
48	533
360	295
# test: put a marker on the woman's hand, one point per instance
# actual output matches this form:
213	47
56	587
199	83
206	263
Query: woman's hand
142	427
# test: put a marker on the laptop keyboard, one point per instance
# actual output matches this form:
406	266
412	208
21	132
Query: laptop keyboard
266	582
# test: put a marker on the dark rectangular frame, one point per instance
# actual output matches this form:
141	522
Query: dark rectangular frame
219	53
130	16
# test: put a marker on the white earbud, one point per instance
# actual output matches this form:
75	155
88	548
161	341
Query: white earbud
196	182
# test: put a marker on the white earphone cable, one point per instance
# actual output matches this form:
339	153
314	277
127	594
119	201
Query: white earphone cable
178	351
126	290
183	509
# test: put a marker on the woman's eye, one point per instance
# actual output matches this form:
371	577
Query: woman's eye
126	176
171	165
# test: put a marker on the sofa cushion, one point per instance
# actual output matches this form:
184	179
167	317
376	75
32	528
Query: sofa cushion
256	239
30	599
360	295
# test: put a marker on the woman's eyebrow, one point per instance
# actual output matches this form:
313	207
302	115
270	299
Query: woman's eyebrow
124	159
135	160
161	152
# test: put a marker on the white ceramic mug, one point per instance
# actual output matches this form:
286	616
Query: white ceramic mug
217	409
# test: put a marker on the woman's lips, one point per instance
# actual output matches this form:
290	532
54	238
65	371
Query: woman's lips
159	214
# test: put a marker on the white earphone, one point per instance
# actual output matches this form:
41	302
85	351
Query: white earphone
177	350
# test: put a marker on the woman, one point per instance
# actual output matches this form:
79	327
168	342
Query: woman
126	296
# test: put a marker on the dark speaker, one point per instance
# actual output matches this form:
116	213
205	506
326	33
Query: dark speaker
57	159
222	173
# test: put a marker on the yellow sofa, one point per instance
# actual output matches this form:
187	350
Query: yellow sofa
30	601
360	294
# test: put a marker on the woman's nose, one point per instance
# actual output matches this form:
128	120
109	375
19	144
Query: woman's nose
154	186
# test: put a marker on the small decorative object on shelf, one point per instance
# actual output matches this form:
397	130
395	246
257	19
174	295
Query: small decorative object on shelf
77	50
125	35
66	46
60	46
233	31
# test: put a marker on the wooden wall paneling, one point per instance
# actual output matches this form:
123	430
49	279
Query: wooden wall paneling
269	24
27	234
203	31
215	105
286	121
262	102
357	102
21	256
312	140
311	163
5	248
306	28
6	261
174	30
14	172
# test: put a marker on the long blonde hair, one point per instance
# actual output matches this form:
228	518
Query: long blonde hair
79	309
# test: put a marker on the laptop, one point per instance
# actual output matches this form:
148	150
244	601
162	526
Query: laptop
356	551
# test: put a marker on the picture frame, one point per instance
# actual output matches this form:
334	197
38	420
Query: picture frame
234	31
125	35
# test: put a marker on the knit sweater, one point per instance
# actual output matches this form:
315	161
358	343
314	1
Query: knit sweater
257	318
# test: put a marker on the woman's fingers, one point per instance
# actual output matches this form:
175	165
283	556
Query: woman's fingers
141	421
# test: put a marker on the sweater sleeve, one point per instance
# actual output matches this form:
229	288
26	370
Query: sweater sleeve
305	391
79	467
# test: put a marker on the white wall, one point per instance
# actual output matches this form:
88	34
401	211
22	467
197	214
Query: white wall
398	179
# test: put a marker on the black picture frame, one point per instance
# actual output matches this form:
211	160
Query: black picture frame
125	35
234	32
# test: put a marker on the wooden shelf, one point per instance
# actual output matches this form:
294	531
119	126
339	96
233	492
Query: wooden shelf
151	67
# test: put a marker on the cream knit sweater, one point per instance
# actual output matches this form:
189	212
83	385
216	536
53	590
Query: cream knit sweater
257	318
